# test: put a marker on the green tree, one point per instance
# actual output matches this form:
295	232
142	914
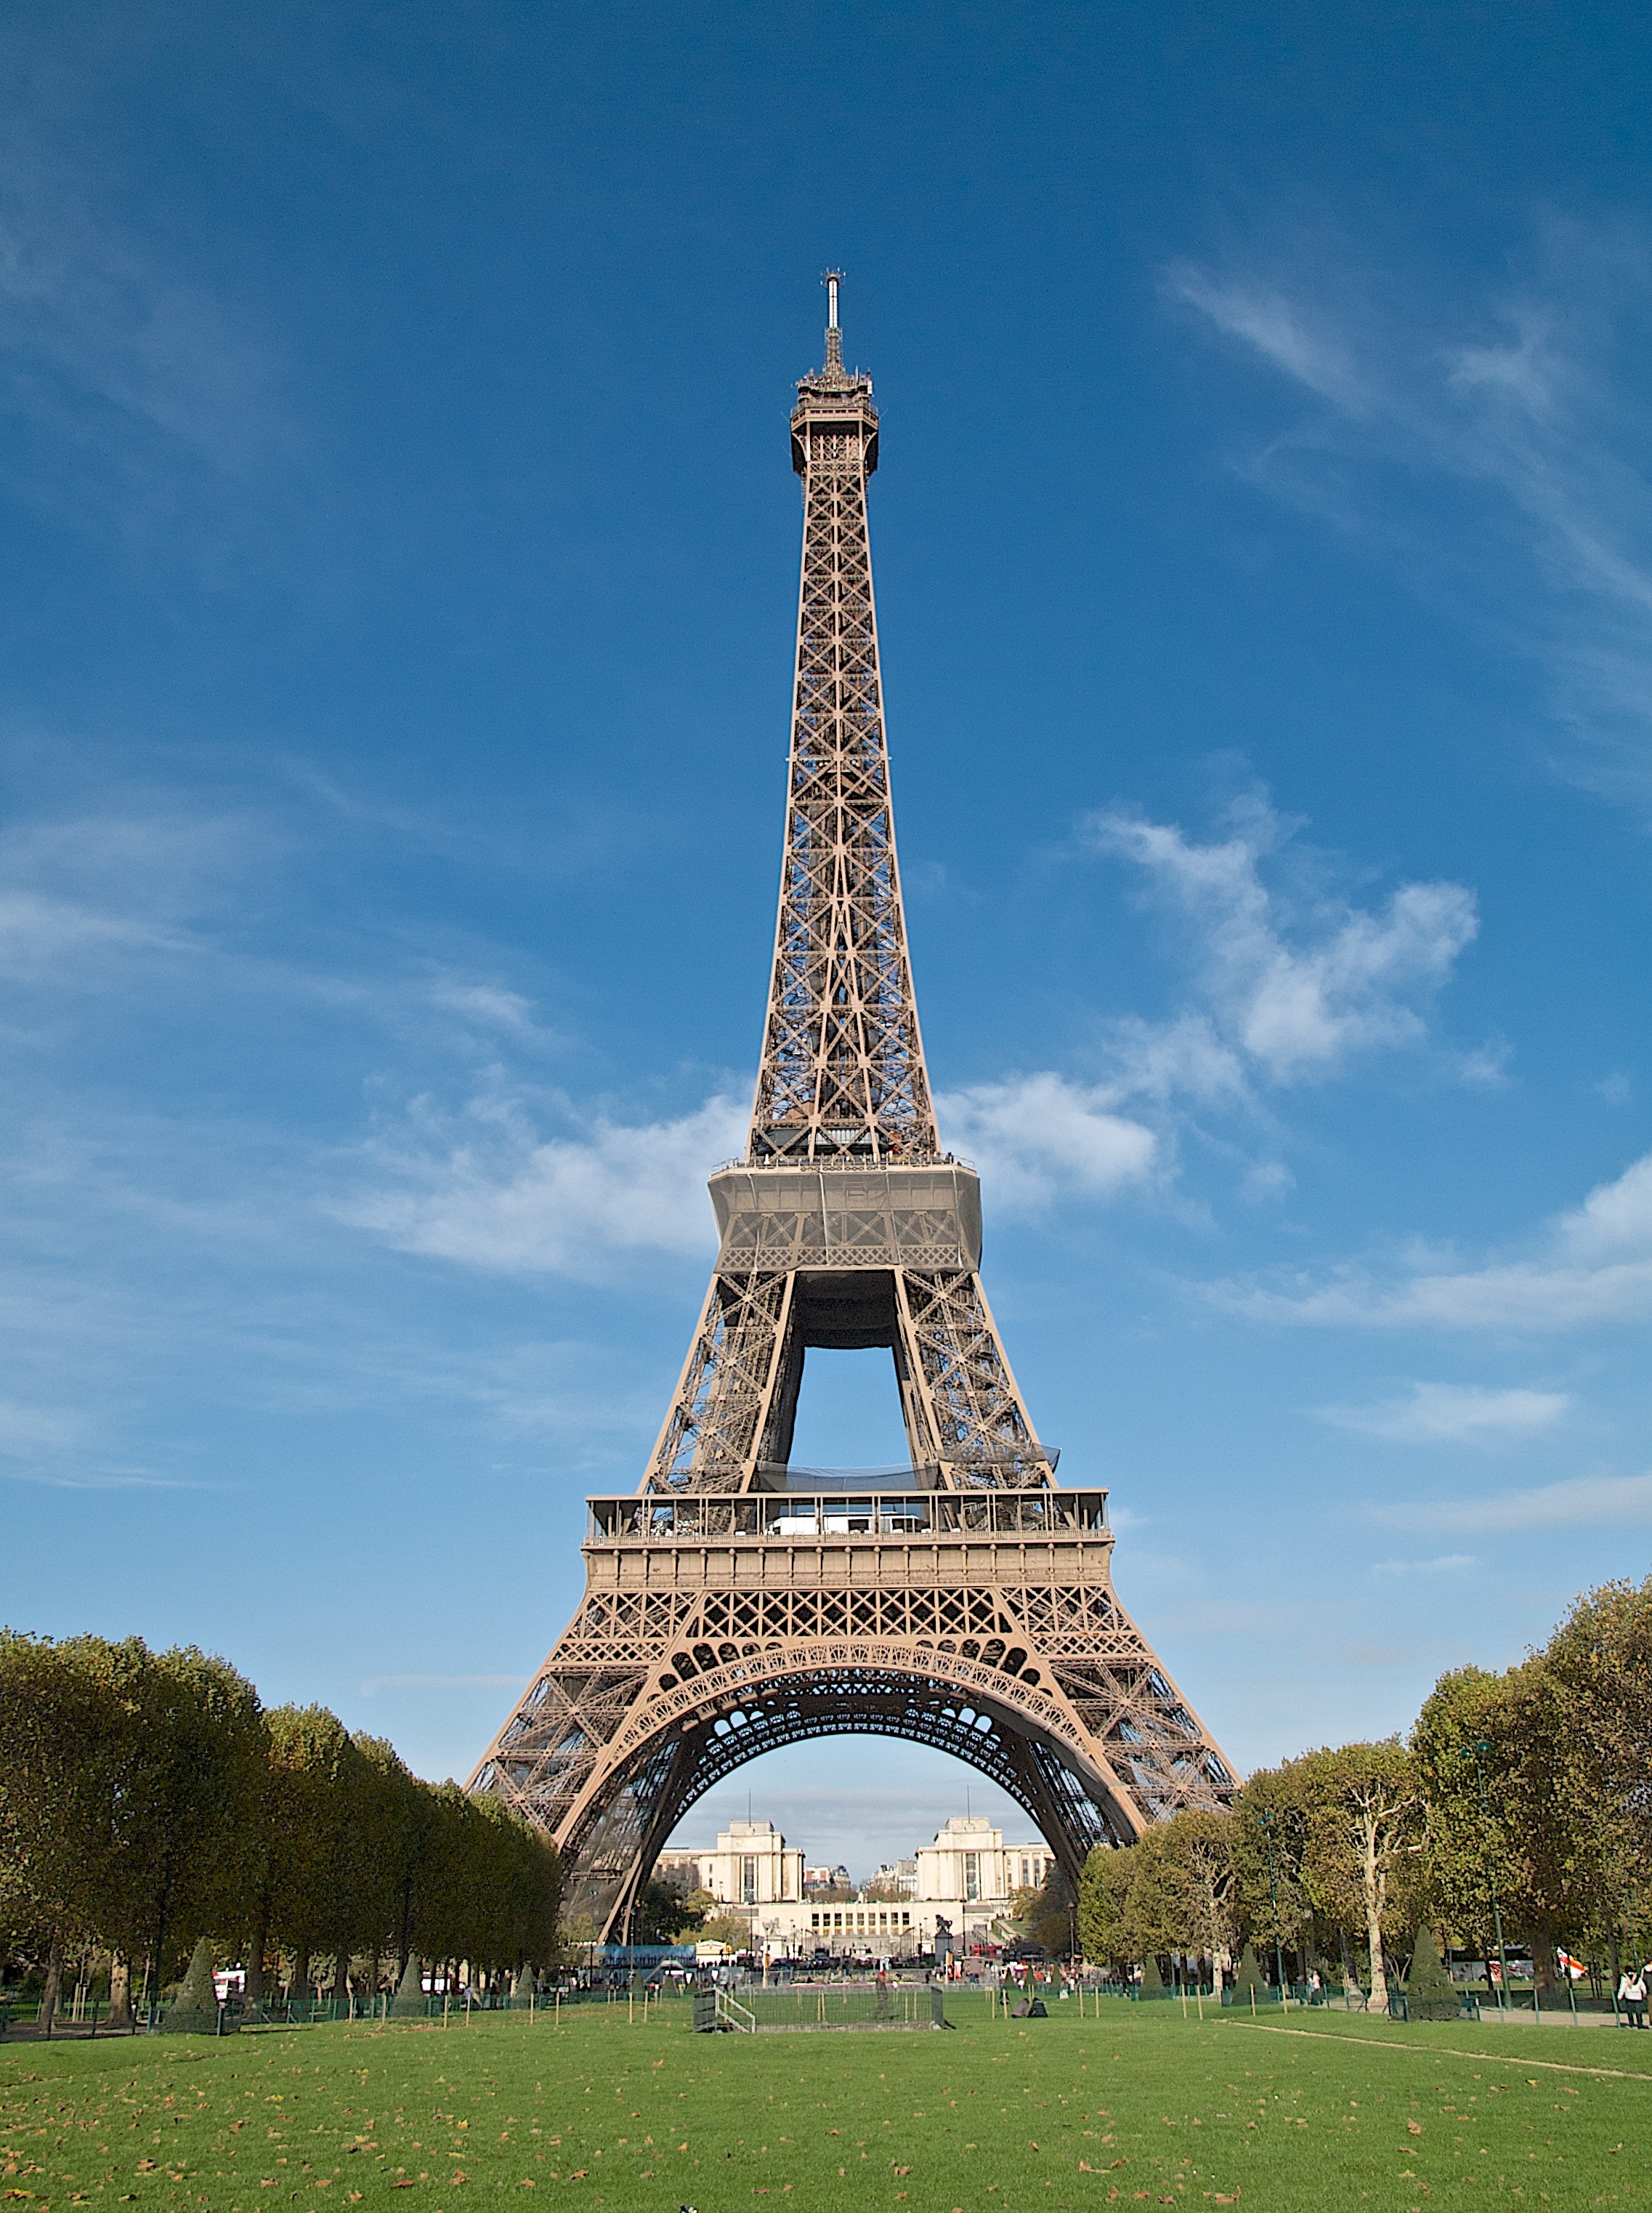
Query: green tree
1197	1882
1103	1899
661	1913
1173	1891
1249	1982
1362	1831
194	2011
309	1795
1599	1662
1043	1914
178	1856
1522	1824
1271	1900
1431	1994
60	1748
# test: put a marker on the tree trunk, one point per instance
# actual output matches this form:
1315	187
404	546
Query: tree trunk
120	1990
253	1995
1378	2002
1544	1967
53	1989
341	1982
302	1978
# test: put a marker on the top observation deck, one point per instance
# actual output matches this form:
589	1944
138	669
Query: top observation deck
771	1517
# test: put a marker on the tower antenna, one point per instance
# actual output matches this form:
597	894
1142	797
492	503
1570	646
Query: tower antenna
831	279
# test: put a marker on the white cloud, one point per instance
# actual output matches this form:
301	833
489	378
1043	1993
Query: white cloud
1453	1413
1289	334
1531	396
1036	1135
1581	1501
35	1428
1594	1265
137	371
38	935
1447	1564
498	1196
488	1006
1293	987
488	1190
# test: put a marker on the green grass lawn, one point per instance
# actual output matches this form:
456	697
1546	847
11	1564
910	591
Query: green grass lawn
1138	2107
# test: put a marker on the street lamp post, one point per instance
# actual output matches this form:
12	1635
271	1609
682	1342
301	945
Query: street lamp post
1474	1751
1273	1892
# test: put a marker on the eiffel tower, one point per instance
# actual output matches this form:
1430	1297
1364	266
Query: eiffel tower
735	1603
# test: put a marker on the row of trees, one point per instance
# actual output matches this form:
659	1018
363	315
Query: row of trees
1521	1799
148	1799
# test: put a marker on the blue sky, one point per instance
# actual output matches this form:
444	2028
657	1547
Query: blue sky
398	546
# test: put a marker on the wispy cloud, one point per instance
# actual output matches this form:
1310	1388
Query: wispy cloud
30	1429
488	1190
1527	395
1592	1265
1453	1413
1292	983
1581	1501
137	388
1447	1564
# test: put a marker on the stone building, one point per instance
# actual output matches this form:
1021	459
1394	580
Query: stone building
962	1885
750	1866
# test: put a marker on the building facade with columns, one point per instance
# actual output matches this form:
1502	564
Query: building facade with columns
750	1867
962	1885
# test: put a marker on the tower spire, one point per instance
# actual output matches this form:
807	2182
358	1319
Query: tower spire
842	1073
834	355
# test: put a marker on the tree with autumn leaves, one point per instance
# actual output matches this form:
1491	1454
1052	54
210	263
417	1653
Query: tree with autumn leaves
147	1801
1528	1792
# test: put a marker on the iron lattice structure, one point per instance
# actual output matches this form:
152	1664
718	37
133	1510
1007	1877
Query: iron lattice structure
733	1604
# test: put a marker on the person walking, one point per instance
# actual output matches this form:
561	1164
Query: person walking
1631	1995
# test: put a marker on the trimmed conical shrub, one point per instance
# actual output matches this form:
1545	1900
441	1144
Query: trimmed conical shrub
1431	1994
194	2011
1249	1978
1152	1979
409	2001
